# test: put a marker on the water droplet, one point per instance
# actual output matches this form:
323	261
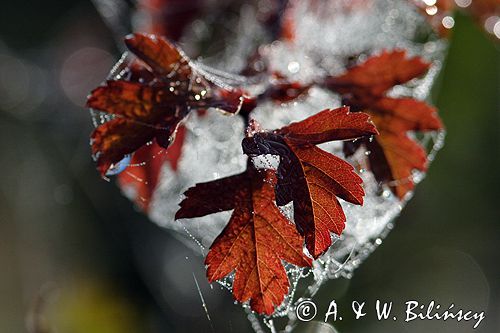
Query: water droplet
448	22
489	23
432	10
463	3
293	67
496	29
117	168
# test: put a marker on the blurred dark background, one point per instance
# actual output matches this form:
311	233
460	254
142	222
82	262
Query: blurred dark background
75	256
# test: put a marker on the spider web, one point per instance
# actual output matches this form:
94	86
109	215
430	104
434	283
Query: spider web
327	35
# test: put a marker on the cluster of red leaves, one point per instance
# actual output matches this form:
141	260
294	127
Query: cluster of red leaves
168	18
258	236
161	87
159	90
155	93
151	97
313	179
393	154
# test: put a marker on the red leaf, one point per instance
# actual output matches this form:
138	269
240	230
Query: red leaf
314	178
378	74
160	55
393	155
151	98
400	115
141	177
255	241
284	91
329	125
142	114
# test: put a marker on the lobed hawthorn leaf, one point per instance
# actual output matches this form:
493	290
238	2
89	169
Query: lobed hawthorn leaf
311	177
149	103
254	242
378	74
393	154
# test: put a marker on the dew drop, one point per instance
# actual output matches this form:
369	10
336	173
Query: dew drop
117	168
432	10
293	67
448	22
